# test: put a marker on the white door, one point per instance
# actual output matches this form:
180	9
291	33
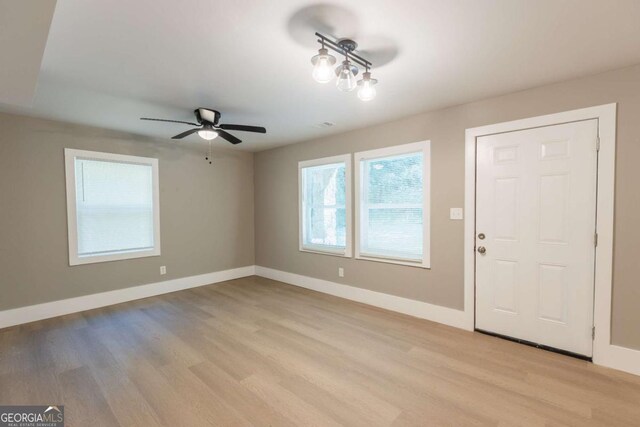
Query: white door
536	209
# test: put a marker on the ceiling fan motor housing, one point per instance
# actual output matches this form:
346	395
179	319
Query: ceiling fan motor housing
207	115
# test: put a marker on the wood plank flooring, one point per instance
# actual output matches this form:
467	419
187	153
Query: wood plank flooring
258	352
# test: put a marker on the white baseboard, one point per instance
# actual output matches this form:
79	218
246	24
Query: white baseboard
32	313
621	358
423	310
612	356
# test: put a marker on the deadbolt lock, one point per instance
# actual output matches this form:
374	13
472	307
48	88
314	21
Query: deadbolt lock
481	236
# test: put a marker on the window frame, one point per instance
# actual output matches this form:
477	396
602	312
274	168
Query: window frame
323	249
72	214
396	150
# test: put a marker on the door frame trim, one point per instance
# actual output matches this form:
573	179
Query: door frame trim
603	350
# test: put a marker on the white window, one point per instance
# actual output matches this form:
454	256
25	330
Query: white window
392	204
112	206
325	205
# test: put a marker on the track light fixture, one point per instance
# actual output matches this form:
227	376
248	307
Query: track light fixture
346	74
323	65
367	92
347	70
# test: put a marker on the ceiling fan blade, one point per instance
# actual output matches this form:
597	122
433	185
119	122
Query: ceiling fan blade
244	128
170	121
187	133
226	135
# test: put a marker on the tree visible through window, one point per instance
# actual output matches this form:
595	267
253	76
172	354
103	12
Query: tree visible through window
324	210
325	196
393	204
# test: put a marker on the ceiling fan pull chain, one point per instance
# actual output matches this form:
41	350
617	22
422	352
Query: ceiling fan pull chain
209	156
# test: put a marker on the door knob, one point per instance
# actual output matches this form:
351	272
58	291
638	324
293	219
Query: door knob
482	250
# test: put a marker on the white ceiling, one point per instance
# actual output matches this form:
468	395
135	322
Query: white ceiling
107	63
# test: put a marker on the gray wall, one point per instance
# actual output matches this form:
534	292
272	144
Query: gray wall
206	212
277	210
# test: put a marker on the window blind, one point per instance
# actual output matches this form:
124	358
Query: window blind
324	207
391	205
114	203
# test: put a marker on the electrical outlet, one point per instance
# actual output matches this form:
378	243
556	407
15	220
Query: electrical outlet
163	269
340	272
455	213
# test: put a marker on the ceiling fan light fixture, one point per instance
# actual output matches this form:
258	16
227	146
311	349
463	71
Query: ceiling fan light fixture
209	129
323	66
207	134
367	91
346	73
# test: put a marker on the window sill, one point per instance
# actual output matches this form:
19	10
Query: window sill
321	251
118	256
398	261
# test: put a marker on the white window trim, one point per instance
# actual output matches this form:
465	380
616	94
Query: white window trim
72	223
321	249
425	148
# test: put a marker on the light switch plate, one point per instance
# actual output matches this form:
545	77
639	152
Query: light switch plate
340	272
163	269
456	213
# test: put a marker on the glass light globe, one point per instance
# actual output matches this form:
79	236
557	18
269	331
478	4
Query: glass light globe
323	66
346	77
367	90
207	134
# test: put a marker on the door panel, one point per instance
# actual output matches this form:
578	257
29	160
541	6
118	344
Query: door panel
536	205
552	293
505	296
506	212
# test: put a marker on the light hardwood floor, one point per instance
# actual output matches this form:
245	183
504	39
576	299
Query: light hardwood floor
258	352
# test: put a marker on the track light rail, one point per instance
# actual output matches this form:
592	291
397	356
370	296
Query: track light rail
344	50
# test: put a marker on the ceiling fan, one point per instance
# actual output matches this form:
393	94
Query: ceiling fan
209	128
